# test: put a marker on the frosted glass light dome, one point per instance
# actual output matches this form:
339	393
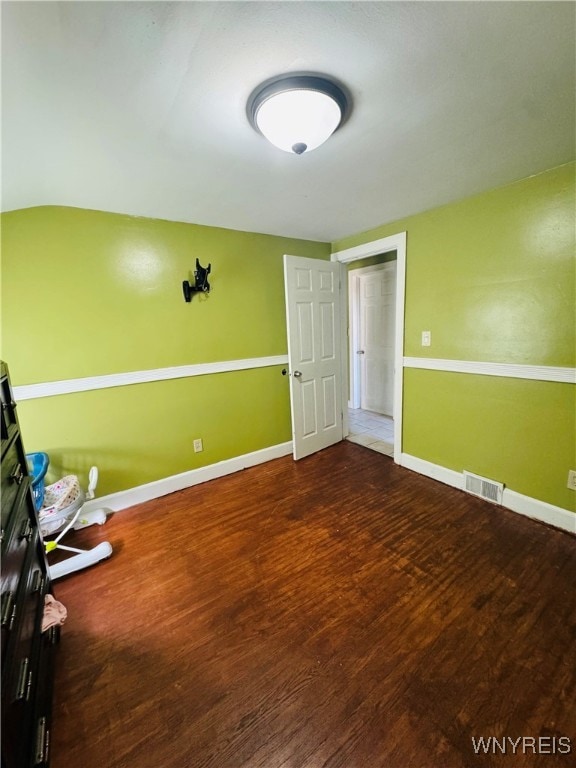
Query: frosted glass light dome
297	113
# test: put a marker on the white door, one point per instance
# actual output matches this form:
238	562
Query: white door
314	352
377	311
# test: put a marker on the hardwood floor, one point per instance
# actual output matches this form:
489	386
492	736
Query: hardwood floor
337	612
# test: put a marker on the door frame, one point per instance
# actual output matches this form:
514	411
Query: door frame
354	328
396	243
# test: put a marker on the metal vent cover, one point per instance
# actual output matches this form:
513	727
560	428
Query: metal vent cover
482	487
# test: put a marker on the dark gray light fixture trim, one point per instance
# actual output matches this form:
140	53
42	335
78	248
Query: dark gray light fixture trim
299	82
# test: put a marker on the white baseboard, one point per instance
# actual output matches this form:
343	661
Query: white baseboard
517	502
539	510
435	471
142	493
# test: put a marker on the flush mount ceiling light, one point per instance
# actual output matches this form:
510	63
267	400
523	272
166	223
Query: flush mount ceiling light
297	113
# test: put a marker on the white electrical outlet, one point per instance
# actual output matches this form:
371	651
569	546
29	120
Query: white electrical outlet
572	479
426	338
198	445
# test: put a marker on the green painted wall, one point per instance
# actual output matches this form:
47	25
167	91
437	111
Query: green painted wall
87	293
515	431
493	277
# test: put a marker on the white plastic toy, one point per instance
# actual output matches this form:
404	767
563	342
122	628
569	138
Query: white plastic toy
61	511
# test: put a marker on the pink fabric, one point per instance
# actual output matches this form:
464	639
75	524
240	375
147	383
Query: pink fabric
54	613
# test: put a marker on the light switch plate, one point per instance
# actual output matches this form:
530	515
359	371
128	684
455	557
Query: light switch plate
426	338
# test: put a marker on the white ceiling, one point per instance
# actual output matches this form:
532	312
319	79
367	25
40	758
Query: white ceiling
139	108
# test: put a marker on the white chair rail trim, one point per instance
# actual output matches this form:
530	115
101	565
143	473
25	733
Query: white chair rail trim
510	370
68	386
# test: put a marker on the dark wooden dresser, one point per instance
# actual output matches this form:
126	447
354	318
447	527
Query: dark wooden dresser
27	652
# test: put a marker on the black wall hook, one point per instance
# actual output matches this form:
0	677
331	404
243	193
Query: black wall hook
201	282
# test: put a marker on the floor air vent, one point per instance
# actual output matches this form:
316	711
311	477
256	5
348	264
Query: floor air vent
480	486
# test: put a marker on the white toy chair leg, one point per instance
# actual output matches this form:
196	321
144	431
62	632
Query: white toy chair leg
75	519
83	559
94	517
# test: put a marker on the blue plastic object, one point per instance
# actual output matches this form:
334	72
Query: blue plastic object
37	467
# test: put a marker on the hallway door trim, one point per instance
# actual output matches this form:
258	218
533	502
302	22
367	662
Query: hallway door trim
396	243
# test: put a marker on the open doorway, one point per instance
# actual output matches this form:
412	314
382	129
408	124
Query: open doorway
371	324
374	414
372	430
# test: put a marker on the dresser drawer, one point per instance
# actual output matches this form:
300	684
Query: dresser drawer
29	606
24	657
7	408
13	475
33	587
17	732
18	685
27	658
42	718
20	541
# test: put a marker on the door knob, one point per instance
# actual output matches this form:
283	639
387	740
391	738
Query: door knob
297	374
360	352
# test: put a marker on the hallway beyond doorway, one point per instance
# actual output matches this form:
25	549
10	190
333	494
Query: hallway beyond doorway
373	430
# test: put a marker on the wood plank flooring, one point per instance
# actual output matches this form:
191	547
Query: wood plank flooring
337	612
